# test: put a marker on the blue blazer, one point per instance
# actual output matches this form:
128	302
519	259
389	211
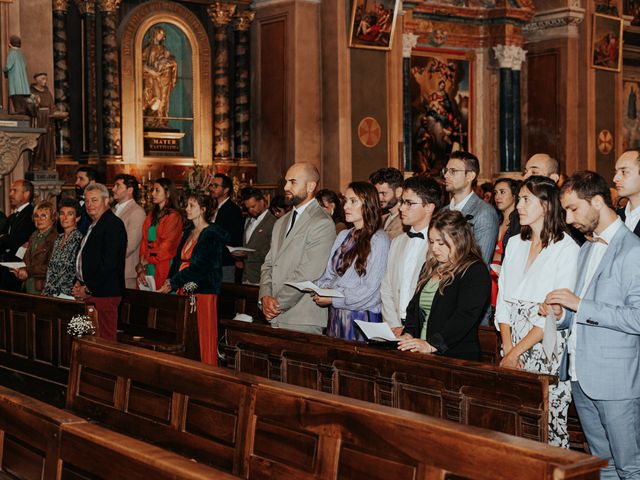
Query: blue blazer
205	267
608	322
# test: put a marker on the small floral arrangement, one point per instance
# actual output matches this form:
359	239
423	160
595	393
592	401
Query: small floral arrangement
190	288
80	325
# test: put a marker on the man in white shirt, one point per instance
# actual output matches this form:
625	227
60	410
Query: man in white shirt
627	182
125	193
460	177
388	183
603	315
421	198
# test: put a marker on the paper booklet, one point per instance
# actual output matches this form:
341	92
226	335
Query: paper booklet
21	252
240	249
152	284
312	287
14	265
376	331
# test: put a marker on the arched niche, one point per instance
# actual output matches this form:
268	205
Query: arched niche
187	37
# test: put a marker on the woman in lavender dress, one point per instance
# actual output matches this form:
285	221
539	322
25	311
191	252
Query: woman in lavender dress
356	265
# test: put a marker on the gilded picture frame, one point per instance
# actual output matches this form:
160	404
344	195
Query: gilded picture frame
606	42
373	23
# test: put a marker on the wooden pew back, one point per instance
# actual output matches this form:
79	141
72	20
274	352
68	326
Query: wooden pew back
471	393
171	402
281	431
159	322
35	349
239	298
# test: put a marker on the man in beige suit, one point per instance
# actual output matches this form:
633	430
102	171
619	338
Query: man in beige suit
125	194
388	182
300	245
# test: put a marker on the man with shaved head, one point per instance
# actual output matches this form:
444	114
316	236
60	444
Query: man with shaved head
300	245
16	231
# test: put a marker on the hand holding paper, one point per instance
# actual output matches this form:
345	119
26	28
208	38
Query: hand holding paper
312	287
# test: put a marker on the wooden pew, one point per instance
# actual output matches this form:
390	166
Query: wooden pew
34	346
275	430
41	442
472	393
159	322
239	298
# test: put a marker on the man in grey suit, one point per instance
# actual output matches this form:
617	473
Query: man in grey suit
300	245
603	315
257	235
125	193
460	177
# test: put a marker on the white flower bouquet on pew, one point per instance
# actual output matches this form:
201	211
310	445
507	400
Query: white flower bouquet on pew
80	325
190	288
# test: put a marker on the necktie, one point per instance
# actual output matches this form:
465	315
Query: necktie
293	221
415	234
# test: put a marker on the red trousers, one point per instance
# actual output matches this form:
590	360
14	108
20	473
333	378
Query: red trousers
207	313
107	308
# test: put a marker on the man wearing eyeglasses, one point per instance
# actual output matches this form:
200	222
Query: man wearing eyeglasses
421	198
460	177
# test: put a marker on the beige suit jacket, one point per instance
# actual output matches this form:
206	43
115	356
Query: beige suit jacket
301	255
133	217
394	228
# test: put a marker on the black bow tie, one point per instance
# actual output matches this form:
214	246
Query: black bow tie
415	235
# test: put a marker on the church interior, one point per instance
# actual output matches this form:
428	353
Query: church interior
247	88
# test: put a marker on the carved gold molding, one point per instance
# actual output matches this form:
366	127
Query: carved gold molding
12	145
60	5
242	20
221	13
109	6
86	7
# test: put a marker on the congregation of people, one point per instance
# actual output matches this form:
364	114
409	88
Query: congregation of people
551	261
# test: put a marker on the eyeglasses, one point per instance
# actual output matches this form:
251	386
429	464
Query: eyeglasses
453	171
409	203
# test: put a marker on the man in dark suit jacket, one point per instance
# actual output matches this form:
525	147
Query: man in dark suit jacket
100	261
85	176
627	182
229	217
16	231
257	235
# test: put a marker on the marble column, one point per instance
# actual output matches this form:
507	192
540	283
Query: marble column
111	111
510	58
221	15
88	11
61	75
409	41
242	139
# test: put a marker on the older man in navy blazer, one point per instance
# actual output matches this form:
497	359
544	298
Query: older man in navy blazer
603	315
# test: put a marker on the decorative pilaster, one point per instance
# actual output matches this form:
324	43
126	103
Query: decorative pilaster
88	11
111	112
242	145
409	41
221	14
61	75
510	58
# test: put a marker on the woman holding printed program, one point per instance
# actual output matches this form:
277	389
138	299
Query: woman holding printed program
541	259
356	265
452	293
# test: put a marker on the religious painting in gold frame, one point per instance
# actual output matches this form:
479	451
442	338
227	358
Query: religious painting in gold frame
606	42
373	23
442	98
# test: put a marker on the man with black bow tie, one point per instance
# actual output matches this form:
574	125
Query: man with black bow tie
16	231
421	198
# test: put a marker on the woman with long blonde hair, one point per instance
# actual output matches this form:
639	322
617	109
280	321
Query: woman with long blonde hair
453	291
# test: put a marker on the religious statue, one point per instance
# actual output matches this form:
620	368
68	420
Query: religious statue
159	76
16	72
44	156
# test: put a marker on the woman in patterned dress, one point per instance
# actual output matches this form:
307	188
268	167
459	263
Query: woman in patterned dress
356	265
541	259
62	266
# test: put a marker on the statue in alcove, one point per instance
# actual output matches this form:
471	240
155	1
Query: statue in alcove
159	76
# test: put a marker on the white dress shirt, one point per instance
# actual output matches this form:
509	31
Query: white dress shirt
251	225
406	257
598	249
556	266
300	209
460	206
631	217
215	214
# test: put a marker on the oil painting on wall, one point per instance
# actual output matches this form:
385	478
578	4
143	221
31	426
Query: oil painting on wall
630	114
373	23
441	100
